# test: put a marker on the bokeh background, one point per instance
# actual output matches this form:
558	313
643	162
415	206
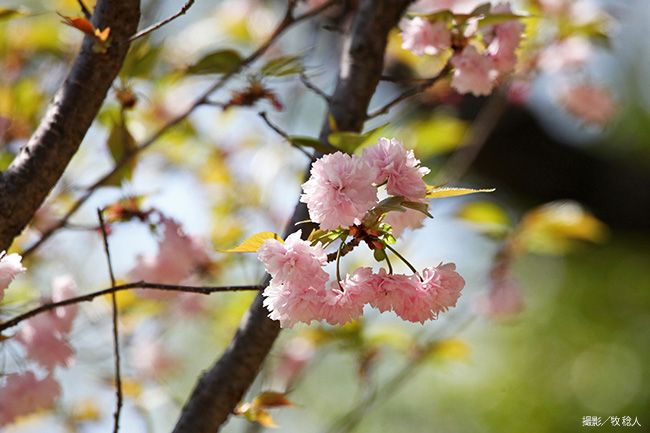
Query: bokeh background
576	342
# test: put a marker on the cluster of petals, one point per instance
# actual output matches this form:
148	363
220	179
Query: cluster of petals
22	394
339	191
591	103
45	336
476	69
398	168
421	36
299	290
179	256
342	188
10	267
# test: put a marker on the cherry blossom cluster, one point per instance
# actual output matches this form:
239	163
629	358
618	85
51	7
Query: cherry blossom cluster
45	340
342	198
481	54
179	257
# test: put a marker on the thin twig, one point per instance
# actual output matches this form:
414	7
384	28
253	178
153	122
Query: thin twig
85	10
283	134
422	86
403	96
311	86
159	24
286	22
203	290
116	335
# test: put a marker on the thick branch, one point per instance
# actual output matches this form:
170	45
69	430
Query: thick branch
221	387
41	162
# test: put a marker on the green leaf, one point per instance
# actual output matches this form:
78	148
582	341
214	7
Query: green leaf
216	62
420	207
253	243
349	141
301	141
120	144
379	255
499	18
444	15
283	66
482	9
9	13
141	60
443	192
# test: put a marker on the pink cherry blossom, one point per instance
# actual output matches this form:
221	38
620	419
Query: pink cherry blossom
339	191
44	342
572	52
401	221
398	167
296	355
421	36
294	262
444	284
456	6
390	291
591	103
505	42
10	266
23	394
503	299
474	72
179	256
291	304
343	306
64	287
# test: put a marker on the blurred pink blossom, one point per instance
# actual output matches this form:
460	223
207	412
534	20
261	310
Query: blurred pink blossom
421	36
474	72
339	191
401	221
571	52
179	256
44	342
22	394
505	42
591	103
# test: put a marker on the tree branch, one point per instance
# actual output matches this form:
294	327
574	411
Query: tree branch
221	387
159	24
41	162
116	334
288	21
144	285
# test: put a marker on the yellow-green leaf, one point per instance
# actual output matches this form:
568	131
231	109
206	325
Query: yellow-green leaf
452	349
9	13
216	62
442	192
120	144
555	228
253	243
268	399
488	217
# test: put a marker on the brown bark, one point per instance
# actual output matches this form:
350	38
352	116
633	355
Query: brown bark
221	387
41	162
